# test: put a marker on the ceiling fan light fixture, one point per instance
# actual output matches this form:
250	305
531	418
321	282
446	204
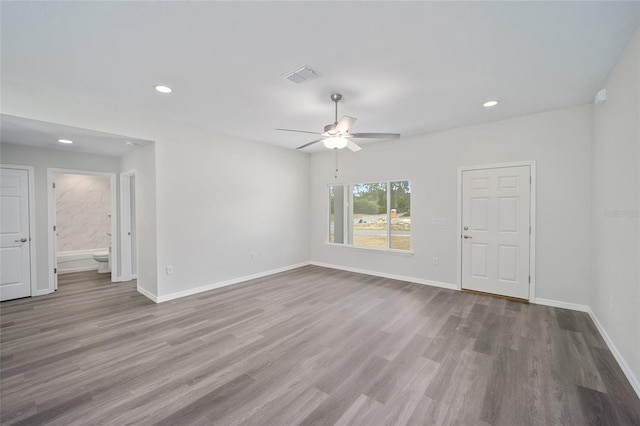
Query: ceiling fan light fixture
490	104
335	143
65	141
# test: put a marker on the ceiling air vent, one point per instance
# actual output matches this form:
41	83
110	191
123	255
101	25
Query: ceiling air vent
302	73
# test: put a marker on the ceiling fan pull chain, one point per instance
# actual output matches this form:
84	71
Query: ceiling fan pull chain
336	175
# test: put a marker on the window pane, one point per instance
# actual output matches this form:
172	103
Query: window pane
401	215
369	215
336	214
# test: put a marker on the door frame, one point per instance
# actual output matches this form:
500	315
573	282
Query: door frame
51	209
32	224
125	219
532	218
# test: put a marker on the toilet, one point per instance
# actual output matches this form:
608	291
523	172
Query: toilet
103	262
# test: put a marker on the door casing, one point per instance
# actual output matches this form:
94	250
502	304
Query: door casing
532	215
32	226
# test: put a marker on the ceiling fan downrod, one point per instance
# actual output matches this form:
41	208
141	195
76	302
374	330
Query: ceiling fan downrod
336	98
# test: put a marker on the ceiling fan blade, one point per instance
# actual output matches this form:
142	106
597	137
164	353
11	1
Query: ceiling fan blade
299	131
345	124
376	135
353	146
310	143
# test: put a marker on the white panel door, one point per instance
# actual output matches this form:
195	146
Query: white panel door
496	230
15	262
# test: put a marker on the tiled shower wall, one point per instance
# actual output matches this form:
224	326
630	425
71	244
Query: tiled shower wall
83	205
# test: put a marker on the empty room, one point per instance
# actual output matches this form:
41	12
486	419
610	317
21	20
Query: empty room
319	213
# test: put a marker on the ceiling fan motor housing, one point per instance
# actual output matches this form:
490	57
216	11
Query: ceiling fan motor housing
330	129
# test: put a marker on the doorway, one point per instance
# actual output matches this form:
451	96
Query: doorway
496	224
128	229
95	220
17	232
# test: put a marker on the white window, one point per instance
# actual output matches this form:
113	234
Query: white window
376	215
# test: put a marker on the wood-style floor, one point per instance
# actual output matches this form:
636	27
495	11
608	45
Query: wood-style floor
308	346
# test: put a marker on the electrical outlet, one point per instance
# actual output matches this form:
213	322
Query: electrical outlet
611	303
169	270
261	253
254	255
438	221
435	260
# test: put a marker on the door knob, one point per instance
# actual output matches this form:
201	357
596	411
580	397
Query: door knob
467	237
21	240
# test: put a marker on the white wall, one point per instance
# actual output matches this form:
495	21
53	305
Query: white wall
222	198
559	141
218	198
41	159
616	207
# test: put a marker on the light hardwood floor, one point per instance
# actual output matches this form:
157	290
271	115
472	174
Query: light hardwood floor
308	346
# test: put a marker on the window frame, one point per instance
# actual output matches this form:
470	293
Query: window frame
347	212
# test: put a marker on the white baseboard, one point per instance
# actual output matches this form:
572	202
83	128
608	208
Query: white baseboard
385	275
42	292
147	294
635	383
213	286
559	304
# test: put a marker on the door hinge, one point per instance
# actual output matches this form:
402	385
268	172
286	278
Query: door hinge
530	180
55	270
529	230
529	279
54	185
54	227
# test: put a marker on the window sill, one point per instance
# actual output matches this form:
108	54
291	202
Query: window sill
374	249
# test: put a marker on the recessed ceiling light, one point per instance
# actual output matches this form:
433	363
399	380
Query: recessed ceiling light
65	141
163	89
489	104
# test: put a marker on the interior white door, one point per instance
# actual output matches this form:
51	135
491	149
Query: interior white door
15	261
54	230
132	225
496	230
128	249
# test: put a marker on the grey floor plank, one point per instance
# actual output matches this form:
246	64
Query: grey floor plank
307	346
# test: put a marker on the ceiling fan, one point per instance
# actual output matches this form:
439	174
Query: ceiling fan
337	136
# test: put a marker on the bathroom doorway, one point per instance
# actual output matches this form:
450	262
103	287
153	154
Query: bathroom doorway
83	223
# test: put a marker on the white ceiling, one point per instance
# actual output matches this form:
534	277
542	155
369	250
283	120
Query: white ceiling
408	67
23	131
